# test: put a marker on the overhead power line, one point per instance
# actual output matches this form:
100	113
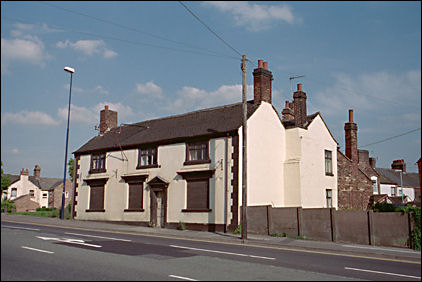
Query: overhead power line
122	40
392	137
204	24
127	27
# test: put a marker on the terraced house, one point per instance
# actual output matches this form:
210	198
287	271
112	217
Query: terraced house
187	168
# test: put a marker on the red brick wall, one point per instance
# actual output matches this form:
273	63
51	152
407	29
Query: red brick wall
354	187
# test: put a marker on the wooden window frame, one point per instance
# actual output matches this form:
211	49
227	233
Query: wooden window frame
135	180
100	182
330	163
155	157
193	176
94	157
190	145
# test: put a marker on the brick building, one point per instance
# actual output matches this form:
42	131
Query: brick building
357	178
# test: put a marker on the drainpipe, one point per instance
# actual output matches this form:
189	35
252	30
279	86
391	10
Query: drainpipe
226	188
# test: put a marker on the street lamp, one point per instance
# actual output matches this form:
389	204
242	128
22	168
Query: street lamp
71	71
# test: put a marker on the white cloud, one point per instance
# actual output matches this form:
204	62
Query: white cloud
255	17
15	151
149	88
87	47
28	49
101	89
191	98
28	118
20	29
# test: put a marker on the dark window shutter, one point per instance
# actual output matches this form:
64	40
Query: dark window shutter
135	196
97	198
197	194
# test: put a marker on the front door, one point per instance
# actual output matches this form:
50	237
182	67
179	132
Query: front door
158	208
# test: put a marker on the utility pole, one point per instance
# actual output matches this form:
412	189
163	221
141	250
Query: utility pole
244	223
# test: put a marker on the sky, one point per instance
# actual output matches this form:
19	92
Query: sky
155	59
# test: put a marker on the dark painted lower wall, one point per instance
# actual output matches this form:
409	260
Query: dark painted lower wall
358	227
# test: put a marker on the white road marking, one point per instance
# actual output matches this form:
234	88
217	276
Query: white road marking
117	239
221	252
365	270
38	250
181	277
25	228
70	241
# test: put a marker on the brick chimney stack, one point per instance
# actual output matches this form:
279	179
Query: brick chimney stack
288	112
262	78
399	164
351	134
372	162
108	119
299	106
37	171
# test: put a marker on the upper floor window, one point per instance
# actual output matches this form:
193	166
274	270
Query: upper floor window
328	163
44	195
147	157
32	193
197	152
98	163
374	185
393	191
14	192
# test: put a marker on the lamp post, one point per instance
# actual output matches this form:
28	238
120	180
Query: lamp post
71	71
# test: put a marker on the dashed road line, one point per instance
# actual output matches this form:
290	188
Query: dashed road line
38	250
388	273
101	237
24	228
183	278
221	252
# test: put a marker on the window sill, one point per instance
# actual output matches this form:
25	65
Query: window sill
92	171
147	166
95	210
329	174
134	210
197	210
197	162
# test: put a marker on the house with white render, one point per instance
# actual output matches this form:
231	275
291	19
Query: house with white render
188	167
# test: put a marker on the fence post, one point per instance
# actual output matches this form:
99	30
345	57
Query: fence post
299	221
371	227
13	209
333	224
268	220
5	209
410	222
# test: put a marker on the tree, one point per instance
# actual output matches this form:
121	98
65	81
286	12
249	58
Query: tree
5	181
71	164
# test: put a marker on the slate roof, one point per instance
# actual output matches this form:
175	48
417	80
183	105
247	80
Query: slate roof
44	183
390	176
291	123
206	122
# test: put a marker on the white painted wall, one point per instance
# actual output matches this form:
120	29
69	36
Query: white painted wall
23	187
305	181
386	189
265	149
170	158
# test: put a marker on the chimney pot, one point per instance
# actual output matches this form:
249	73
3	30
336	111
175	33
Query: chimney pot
266	65
260	64
106	107
287	104
350	115
299	87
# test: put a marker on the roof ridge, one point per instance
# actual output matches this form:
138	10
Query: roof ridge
192	112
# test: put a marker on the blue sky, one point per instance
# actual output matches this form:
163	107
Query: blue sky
154	59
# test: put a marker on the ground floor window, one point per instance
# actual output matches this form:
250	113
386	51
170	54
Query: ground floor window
135	192
96	196
197	190
329	198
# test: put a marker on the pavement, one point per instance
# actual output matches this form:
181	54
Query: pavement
284	243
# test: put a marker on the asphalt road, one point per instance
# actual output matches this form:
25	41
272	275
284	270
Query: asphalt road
36	252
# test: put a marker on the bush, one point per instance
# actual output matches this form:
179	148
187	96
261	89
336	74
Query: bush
238	229
181	226
416	234
45	209
383	207
9	205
